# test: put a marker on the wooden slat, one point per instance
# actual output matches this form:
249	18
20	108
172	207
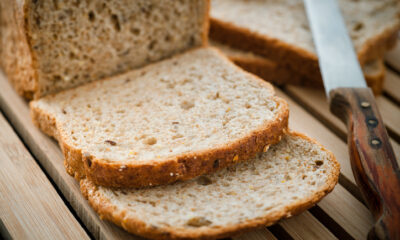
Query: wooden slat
301	120
30	208
355	222
392	85
305	226
393	57
314	101
350	213
260	234
50	157
298	231
391	116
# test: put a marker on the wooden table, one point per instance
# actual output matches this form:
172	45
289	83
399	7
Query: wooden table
39	200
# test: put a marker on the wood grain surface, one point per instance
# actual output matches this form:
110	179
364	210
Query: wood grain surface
30	207
48	153
341	214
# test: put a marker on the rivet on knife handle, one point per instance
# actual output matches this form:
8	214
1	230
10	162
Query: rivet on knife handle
372	158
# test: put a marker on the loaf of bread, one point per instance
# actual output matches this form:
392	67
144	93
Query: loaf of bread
272	71
172	120
55	45
279	30
290	177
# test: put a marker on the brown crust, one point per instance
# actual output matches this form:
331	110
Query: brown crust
184	166
272	72
110	212
375	82
206	24
16	55
20	63
295	58
280	75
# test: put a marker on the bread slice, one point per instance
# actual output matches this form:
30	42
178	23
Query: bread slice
290	177
374	71
279	30
173	120
54	45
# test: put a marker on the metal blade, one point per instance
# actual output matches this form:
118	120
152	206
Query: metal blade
337	60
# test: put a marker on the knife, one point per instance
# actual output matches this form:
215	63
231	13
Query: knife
372	158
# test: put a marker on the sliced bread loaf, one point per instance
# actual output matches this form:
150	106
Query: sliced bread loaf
290	177
54	45
172	120
279	30
272	71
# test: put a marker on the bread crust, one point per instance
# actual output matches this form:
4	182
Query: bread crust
274	73
16	55
19	60
184	166
110	212
298	59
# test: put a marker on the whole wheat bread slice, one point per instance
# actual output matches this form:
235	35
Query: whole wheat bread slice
54	45
290	177
279	30
272	71
172	120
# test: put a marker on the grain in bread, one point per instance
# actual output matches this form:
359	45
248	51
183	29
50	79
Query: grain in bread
272	71
279	30
172	120
54	45
290	177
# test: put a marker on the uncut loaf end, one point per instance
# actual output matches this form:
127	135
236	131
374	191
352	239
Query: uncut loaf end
55	45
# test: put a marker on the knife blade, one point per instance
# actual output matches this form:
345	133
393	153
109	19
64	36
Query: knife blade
337	59
372	158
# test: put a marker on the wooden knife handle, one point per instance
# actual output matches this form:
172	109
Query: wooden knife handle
372	158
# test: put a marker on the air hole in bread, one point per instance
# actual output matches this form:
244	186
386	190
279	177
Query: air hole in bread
168	38
135	31
115	193
115	22
319	162
152	44
91	16
358	26
203	180
88	162
112	143
198	222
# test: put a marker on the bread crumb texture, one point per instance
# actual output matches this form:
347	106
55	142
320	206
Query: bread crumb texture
291	176
194	102
74	42
286	20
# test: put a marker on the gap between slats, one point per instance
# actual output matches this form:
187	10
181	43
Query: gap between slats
314	101
30	206
50	156
391	86
392	58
